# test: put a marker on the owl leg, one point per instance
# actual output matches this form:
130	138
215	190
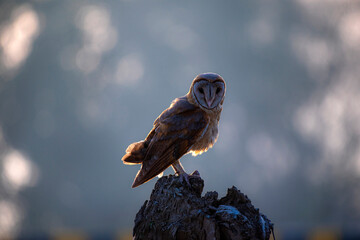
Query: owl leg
178	168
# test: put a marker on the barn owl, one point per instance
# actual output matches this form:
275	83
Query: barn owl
189	125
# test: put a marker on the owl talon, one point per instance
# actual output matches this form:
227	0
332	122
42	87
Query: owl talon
185	177
195	174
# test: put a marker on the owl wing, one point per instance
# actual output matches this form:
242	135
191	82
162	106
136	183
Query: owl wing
174	132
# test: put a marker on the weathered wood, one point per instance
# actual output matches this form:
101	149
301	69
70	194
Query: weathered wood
176	210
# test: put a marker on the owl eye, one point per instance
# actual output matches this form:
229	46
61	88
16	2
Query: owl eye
217	90
201	90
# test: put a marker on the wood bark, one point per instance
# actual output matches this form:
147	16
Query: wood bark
176	210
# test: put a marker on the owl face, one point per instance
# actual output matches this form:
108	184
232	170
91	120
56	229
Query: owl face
208	90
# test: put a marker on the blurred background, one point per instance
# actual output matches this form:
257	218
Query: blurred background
81	80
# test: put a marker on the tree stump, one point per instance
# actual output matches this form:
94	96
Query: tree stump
176	210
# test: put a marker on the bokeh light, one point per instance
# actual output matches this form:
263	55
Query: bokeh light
10	216
17	36
98	36
18	171
129	70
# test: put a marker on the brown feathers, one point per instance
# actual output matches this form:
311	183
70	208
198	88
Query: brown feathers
135	153
188	125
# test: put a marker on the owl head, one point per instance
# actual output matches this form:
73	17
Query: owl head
208	91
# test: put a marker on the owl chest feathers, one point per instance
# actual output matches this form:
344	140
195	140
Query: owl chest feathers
209	135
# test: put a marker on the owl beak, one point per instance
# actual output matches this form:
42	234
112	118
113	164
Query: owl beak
210	102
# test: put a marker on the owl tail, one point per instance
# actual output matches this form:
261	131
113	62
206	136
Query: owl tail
135	153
